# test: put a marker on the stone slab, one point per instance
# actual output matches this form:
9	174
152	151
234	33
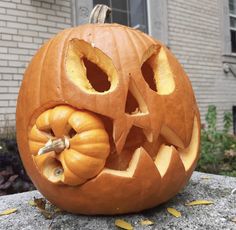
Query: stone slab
201	186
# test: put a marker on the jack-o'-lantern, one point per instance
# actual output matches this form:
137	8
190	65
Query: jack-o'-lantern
107	121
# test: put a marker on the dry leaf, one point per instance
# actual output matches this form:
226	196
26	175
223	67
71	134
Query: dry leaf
233	219
174	212
146	222
40	203
199	202
8	211
56	210
123	224
233	191
32	203
205	178
48	215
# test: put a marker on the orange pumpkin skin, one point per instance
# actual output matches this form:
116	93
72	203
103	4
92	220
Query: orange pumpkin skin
88	144
133	179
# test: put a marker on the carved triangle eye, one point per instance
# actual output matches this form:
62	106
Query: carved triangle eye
97	78
148	73
89	68
157	73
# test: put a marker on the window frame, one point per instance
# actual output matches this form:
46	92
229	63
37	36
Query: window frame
226	28
231	15
157	24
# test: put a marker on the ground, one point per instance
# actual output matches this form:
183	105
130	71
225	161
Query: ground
201	186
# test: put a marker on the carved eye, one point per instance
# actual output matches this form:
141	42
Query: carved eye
157	73
89	68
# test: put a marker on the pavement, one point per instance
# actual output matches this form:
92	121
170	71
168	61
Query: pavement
219	215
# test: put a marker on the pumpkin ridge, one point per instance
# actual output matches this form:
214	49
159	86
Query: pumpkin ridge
141	40
90	135
77	161
62	59
117	50
41	68
133	44
80	149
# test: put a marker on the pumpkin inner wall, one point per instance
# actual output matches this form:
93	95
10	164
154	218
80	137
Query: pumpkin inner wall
89	68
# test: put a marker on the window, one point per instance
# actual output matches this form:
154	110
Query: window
149	16
127	12
232	17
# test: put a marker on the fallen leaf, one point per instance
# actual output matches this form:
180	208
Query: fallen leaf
199	202
8	183
32	203
48	215
233	191
123	224
12	178
40	203
56	210
174	212
7	172
205	178
8	211
146	222
233	219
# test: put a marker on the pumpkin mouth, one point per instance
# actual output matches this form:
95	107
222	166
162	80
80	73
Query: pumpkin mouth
120	161
160	150
87	149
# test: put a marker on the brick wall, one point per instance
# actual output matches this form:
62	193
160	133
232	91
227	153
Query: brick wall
24	26
194	36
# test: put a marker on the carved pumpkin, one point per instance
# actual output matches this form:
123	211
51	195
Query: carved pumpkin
126	112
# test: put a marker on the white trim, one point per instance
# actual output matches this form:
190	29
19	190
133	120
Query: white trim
232	15
81	10
225	26
157	19
149	18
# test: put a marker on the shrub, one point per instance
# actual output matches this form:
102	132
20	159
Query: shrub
218	147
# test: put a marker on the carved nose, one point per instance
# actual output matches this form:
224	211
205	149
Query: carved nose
135	103
130	130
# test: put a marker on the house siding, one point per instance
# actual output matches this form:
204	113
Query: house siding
24	26
194	35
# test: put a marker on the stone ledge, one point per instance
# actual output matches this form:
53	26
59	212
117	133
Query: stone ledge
201	186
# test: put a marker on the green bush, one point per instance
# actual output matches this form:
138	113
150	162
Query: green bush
218	147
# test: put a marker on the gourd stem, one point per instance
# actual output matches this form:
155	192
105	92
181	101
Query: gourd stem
56	145
99	14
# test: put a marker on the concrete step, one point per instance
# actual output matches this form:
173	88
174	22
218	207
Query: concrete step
201	186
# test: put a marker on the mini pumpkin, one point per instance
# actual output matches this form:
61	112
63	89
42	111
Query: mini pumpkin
107	121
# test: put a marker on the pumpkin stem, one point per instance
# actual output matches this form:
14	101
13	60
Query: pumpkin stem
99	14
57	145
